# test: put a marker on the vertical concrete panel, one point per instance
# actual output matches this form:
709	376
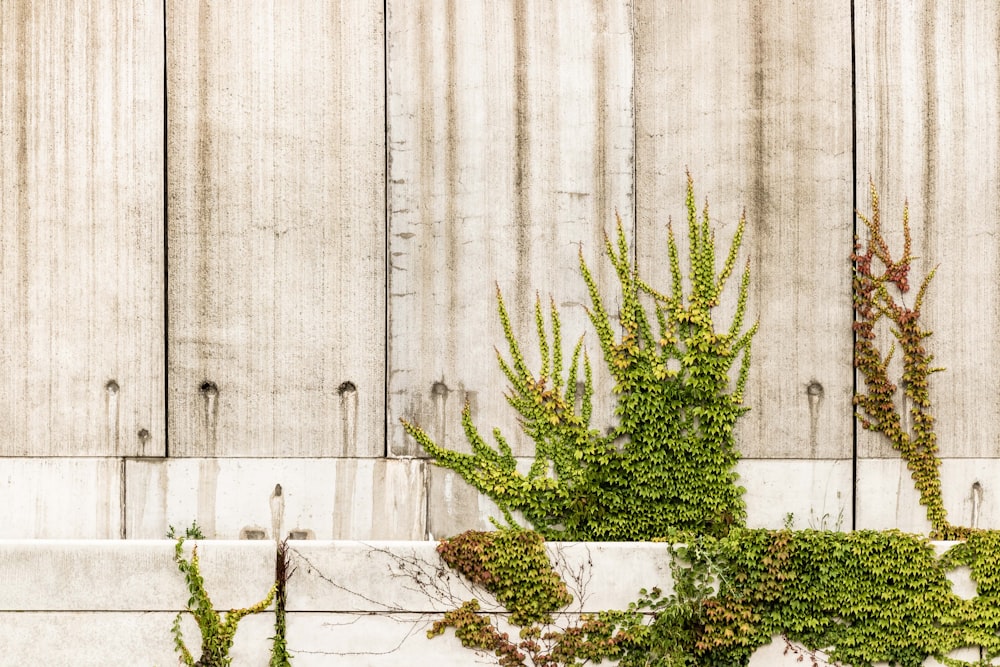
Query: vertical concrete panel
755	100
510	147
81	236
276	228
928	102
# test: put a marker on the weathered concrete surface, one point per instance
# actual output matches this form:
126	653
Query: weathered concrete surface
128	575
81	240
755	100
782	653
322	498
61	498
510	147
100	639
816	492
276	157
453	506
928	99
395	577
887	498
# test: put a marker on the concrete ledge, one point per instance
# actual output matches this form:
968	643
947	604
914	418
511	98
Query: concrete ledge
104	639
395	577
82	603
128	575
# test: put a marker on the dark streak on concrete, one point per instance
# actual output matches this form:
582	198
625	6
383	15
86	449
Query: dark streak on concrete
451	227
203	204
930	127
602	177
21	125
758	135
522	153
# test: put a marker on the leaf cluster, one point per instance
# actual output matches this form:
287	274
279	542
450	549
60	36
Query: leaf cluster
668	465
513	565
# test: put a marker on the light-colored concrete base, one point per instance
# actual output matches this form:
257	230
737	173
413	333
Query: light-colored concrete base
815	493
61	498
262	498
888	499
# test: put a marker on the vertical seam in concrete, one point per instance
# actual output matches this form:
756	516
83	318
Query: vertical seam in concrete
854	232
387	221
166	256
122	530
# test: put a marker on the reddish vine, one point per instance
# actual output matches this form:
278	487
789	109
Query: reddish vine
879	285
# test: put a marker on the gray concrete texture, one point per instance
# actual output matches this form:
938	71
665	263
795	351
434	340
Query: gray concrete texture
234	258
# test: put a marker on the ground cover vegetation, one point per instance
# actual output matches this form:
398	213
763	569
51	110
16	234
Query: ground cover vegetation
854	598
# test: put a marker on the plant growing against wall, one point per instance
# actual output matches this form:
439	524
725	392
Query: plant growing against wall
859	598
513	566
879	285
216	632
669	463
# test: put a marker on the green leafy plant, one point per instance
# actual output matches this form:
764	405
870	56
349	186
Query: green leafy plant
879	284
513	566
216	632
860	598
192	532
669	463
857	598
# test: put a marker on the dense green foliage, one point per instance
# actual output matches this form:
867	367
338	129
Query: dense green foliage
860	598
857	598
513	566
669	463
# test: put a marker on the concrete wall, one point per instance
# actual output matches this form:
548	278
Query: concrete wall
240	241
364	604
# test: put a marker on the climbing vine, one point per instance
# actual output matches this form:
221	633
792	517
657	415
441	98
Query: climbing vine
879	284
669	463
216	632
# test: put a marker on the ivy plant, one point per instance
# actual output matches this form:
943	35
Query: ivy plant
860	598
679	382
217	632
879	284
